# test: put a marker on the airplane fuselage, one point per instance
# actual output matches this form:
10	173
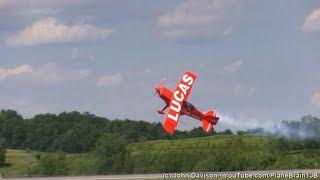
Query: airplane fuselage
186	108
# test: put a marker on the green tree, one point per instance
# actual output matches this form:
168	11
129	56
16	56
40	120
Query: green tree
2	153
51	164
109	152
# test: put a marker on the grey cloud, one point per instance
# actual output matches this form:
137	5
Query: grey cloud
50	30
198	19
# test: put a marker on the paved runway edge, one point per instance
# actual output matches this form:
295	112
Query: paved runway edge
159	176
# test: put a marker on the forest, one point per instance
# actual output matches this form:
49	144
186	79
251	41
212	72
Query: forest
74	143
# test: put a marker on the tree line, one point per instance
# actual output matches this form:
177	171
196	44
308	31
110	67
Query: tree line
75	132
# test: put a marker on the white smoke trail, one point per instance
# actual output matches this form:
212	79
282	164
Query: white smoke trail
306	128
235	123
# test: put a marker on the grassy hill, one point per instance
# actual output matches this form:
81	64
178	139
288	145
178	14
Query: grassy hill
219	153
215	153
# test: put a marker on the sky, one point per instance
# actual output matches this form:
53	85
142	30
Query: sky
258	62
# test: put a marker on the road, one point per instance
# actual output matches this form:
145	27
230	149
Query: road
306	173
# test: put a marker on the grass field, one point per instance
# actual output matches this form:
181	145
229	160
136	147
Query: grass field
216	153
18	162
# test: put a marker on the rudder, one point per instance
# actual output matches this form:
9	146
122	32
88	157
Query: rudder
208	121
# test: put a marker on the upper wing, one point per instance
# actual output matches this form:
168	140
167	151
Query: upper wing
180	94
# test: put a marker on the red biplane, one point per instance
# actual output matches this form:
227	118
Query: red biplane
178	105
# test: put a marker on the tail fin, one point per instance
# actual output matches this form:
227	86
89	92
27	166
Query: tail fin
210	119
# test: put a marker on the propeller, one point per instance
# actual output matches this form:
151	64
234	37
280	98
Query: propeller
161	83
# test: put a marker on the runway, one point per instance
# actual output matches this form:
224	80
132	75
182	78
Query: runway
99	177
273	174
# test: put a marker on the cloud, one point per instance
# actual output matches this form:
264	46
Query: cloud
179	34
188	13
23	106
147	70
312	21
10	72
79	56
45	74
49	30
39	12
3	3
51	3
109	80
315	99
51	74
202	18
46	3
240	89
231	67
